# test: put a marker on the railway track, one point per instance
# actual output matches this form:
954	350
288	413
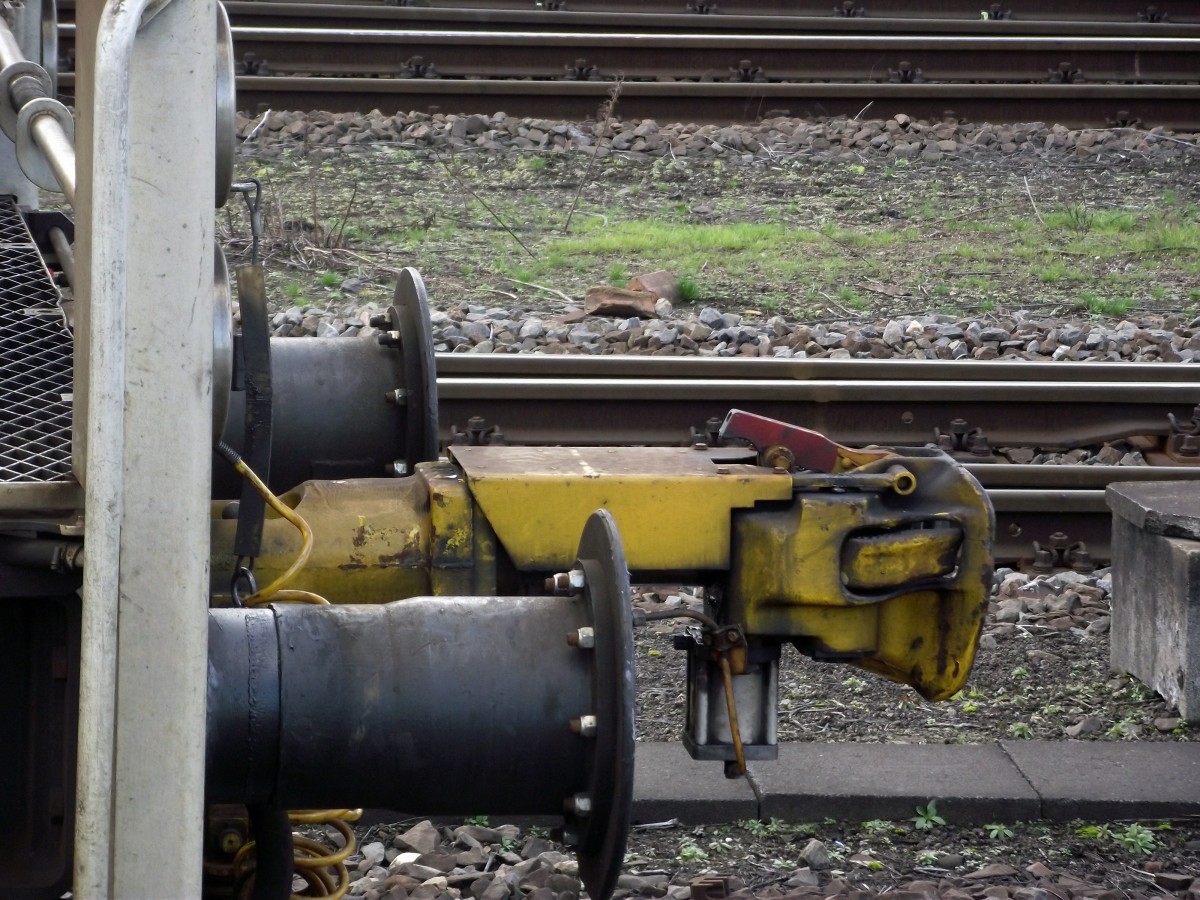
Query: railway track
1074	72
660	18
1123	11
634	400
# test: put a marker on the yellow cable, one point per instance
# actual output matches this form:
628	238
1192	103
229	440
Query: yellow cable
311	858
306	537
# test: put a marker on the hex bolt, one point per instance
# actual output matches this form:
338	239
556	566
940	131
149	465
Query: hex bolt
584	638
578	805
570	837
379	321
566	583
396	469
398	397
1043	559
389	339
584	726
231	840
1189	445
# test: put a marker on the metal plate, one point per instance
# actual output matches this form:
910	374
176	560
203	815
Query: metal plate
226	107
604	831
222	342
410	316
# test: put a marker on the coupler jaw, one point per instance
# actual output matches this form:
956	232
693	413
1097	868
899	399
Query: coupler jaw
438	705
882	559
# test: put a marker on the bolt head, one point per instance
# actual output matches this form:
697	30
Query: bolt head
578	805
584	638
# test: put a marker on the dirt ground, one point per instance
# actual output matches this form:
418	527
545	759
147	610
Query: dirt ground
809	240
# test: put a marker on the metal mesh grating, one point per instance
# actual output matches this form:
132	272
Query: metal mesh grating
35	361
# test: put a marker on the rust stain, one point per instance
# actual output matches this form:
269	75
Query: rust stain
409	556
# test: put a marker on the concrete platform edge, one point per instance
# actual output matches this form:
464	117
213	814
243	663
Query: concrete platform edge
1006	781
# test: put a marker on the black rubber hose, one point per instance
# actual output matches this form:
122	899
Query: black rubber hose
273	853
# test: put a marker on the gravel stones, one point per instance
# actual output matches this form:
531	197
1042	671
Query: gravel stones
471	862
771	139
630	330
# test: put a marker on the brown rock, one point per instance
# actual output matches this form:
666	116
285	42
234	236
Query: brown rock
443	862
605	300
421	838
1173	881
662	284
1039	870
993	870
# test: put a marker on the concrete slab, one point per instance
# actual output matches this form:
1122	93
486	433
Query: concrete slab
669	784
1170	508
1110	780
857	782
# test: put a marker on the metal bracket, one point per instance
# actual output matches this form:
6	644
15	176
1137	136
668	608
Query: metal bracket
20	69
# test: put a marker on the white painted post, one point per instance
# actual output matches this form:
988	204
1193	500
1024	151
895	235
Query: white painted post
146	166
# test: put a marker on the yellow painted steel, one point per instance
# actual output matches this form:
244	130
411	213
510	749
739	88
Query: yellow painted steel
370	541
462	546
845	567
671	504
898	586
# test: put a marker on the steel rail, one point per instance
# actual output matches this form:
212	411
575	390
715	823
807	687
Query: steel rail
659	411
255	13
1186	11
544	365
838	58
1073	106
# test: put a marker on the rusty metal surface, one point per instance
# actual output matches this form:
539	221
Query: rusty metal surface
1073	106
651	17
1086	10
621	412
544	365
839	58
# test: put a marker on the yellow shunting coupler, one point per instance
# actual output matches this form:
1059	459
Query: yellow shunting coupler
885	565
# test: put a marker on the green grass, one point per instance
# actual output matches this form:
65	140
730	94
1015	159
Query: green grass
740	250
851	298
1106	306
618	275
330	279
1055	271
519	271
